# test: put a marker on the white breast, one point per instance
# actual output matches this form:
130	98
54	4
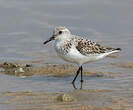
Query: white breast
73	55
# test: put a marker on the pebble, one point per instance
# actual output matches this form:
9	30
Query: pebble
65	98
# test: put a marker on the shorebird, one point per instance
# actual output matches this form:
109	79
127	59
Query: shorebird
78	50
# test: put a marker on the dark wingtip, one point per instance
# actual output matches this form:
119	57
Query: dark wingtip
118	49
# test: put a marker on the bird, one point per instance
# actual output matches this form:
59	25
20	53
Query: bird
78	50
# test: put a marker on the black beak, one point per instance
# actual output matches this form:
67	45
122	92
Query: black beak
52	38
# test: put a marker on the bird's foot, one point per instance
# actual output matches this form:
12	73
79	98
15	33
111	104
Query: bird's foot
73	83
81	82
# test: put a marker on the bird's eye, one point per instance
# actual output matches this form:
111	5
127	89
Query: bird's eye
60	32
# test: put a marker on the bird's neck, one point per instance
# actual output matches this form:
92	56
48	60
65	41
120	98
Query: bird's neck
60	43
64	37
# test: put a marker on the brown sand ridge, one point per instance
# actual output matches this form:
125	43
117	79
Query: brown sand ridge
49	69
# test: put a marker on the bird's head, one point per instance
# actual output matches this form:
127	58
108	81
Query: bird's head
60	33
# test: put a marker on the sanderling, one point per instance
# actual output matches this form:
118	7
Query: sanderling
78	50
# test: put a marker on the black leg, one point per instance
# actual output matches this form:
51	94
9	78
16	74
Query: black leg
74	85
73	82
81	77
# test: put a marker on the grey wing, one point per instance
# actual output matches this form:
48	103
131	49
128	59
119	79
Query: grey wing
85	47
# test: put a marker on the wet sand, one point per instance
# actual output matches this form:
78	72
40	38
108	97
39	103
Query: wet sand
72	100
118	98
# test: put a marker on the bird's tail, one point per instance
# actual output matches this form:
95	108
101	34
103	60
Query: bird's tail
113	50
116	50
119	49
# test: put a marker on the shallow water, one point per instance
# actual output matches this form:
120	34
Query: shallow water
24	25
29	23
